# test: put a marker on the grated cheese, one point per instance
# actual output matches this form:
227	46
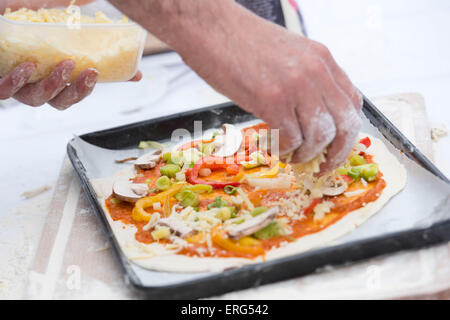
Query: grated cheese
364	182
236	200
57	16
310	167
152	222
354	193
114	52
322	209
293	205
180	176
245	199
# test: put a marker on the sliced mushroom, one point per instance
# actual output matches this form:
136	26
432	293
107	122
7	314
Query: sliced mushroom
334	186
177	227
141	189
228	143
149	160
255	224
128	191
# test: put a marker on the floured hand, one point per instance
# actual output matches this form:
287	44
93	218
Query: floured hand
289	81
54	90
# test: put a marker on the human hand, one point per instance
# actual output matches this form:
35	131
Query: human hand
291	82
54	89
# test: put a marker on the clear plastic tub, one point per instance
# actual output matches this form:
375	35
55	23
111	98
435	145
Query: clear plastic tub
114	49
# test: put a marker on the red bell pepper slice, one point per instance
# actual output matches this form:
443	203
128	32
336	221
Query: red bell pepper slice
346	178
311	207
193	144
213	163
366	141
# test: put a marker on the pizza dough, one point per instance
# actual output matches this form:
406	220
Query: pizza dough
156	257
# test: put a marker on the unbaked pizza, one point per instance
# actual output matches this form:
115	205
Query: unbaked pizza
225	201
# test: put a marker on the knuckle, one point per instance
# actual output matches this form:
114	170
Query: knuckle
326	129
350	126
289	143
274	95
359	100
289	135
316	66
297	77
321	50
29	99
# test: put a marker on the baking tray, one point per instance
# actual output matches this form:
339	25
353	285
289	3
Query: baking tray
407	222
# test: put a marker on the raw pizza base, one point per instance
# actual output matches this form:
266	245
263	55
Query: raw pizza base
155	257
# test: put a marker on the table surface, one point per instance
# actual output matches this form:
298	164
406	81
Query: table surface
386	47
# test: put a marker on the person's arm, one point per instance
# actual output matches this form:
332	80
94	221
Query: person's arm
289	81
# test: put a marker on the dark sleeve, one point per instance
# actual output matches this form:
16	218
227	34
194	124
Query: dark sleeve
267	9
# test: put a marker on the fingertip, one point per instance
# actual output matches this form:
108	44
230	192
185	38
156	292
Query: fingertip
89	77
137	77
289	146
21	74
26	66
67	63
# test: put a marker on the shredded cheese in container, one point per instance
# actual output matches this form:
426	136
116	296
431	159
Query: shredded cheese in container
49	36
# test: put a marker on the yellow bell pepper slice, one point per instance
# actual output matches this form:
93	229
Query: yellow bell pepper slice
196	238
273	172
222	241
238	177
249	241
140	215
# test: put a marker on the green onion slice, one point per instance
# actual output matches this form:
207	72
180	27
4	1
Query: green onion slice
170	170
258	211
230	190
187	198
163	183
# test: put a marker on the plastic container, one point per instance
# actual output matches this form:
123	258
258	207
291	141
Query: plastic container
114	49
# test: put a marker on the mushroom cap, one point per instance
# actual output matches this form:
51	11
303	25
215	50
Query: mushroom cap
255	224
334	186
177	227
148	160
128	191
231	141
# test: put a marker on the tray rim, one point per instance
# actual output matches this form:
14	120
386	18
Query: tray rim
258	274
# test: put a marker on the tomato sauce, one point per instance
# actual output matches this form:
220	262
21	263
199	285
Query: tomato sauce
300	228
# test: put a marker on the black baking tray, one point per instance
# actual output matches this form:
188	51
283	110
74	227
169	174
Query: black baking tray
209	284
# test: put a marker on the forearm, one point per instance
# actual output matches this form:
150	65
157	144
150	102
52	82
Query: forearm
179	23
207	34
